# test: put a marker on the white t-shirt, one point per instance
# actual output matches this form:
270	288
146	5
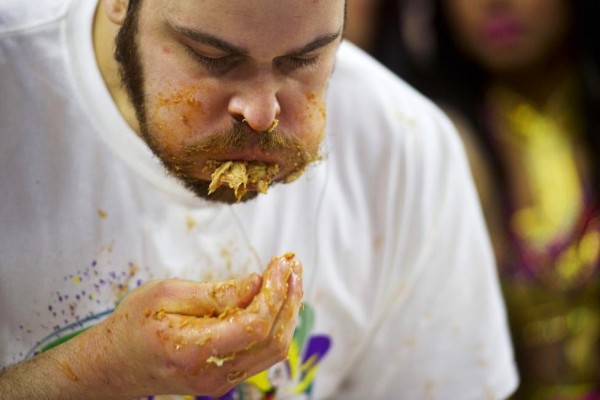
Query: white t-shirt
400	286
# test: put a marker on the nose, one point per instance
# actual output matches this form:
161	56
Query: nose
257	105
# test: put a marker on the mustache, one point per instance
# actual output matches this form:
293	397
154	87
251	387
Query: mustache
239	137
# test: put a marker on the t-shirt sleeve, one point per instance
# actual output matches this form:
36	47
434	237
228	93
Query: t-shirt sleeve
441	330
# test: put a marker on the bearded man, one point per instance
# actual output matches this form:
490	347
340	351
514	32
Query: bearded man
165	167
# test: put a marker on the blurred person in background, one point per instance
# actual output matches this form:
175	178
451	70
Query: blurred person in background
360	28
520	80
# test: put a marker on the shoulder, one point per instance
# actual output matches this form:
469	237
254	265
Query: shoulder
359	74
22	15
372	92
381	111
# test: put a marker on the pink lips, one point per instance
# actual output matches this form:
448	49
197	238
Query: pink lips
502	31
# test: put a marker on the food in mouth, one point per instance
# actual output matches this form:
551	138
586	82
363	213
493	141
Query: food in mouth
238	175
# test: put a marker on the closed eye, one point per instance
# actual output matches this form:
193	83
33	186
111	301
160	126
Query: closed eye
216	65
290	63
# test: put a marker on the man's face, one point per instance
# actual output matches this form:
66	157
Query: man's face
208	78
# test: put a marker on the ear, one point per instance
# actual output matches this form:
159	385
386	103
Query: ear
116	10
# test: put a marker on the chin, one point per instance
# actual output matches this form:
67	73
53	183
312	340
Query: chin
223	194
227	196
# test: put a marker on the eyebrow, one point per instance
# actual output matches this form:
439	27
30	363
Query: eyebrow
207	39
213	41
318	43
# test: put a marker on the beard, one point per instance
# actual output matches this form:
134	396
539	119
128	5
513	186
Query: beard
238	137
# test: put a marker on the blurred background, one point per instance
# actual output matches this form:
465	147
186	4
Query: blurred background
520	80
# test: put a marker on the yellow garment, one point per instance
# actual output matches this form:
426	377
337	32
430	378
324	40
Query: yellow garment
554	314
545	138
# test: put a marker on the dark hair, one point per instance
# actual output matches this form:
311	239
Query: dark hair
130	67
453	79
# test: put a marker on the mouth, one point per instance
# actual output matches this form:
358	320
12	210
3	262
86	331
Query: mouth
502	31
252	157
229	174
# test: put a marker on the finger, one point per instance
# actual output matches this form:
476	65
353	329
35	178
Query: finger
235	329
272	331
275	348
267	303
242	329
285	323
195	343
264	355
205	299
282	331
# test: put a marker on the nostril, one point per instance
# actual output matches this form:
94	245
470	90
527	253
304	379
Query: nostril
239	118
244	124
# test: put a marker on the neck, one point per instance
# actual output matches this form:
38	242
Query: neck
104	33
537	83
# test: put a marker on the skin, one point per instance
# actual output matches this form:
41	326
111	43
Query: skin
178	337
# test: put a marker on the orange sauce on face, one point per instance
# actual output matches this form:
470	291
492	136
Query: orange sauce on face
175	114
312	120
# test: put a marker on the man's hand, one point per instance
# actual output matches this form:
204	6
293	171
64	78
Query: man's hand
180	337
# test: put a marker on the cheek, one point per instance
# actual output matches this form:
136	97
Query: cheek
311	119
178	105
176	115
549	19
464	18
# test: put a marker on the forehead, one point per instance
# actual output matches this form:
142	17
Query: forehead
253	23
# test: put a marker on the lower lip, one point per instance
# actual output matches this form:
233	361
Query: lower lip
502	32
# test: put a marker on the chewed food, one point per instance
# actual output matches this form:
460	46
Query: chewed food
239	175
